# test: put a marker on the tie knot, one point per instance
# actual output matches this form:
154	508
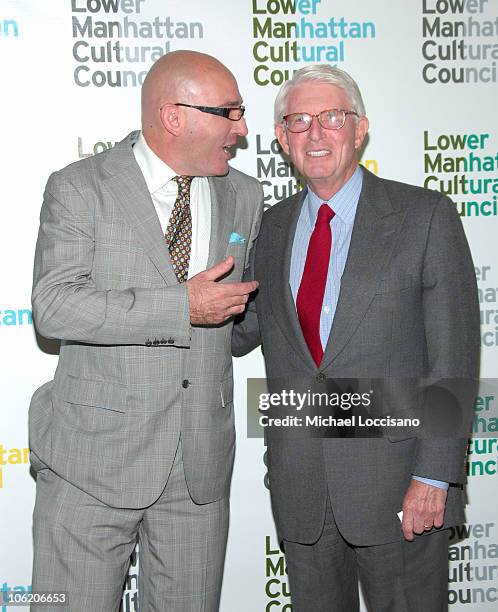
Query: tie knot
183	183
325	214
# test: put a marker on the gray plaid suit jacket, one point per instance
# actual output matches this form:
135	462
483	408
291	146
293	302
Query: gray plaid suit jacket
133	374
407	308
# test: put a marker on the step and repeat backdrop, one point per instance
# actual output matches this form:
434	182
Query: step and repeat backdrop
71	76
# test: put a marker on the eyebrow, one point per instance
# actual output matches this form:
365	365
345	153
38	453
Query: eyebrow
233	103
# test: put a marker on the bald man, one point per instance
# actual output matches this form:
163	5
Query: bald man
138	270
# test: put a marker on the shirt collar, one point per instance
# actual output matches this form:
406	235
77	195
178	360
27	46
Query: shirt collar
156	172
343	203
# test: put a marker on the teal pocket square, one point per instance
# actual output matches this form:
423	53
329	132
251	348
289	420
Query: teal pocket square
236	239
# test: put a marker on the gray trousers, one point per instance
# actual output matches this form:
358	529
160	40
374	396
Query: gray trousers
396	577
83	547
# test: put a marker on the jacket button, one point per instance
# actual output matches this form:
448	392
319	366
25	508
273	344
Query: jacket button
156	342
171	340
148	342
321	377
185	383
162	341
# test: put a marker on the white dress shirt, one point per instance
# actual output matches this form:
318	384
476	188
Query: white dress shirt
163	191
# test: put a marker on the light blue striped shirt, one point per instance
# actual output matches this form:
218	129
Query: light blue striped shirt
344	203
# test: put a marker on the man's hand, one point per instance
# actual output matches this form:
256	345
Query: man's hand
210	302
423	508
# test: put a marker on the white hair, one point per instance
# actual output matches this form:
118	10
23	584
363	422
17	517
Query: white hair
322	73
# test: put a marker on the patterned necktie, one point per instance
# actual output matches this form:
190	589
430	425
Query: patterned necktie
179	231
312	288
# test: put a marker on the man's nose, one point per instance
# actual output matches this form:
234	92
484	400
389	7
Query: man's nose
315	131
240	127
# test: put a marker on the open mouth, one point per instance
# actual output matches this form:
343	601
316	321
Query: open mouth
229	149
322	153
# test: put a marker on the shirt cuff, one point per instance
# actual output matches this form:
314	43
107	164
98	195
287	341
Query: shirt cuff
440	484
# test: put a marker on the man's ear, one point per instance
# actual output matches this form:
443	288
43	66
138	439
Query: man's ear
171	118
361	130
281	134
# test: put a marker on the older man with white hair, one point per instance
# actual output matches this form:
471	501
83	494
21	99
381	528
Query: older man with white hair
360	277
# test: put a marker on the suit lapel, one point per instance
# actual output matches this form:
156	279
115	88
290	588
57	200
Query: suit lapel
127	186
283	306
372	241
222	217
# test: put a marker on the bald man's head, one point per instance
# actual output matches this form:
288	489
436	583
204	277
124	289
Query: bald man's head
174	132
177	77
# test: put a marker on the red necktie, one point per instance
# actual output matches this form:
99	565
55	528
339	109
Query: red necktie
312	288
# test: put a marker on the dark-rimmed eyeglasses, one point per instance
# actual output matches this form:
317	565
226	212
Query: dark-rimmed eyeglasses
330	119
233	113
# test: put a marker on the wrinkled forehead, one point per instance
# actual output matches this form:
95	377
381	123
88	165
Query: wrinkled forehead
315	96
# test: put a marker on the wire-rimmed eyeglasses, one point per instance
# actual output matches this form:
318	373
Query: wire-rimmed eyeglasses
330	119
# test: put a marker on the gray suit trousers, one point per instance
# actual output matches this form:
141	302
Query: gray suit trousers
83	547
399	576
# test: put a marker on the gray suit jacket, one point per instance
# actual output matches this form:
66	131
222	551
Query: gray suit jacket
133	373
407	308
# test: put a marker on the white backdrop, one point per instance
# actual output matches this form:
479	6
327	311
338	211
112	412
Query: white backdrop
71	71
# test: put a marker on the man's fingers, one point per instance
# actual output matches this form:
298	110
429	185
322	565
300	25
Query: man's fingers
227	314
237	305
428	523
242	288
423	508
211	302
439	519
234	293
407	525
235	299
235	310
418	524
218	270
238	300
221	269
